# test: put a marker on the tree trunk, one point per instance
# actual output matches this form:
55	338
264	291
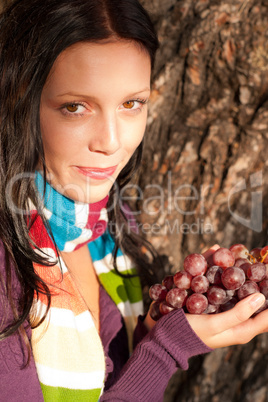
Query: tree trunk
205	162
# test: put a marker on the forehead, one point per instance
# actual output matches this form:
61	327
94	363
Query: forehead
90	67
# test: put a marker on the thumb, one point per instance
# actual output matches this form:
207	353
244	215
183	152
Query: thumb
242	311
208	253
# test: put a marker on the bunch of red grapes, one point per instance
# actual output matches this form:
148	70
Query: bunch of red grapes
215	284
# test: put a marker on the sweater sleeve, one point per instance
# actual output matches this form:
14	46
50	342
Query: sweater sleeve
167	347
16	383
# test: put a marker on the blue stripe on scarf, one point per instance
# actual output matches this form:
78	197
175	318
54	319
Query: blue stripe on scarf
63	218
102	246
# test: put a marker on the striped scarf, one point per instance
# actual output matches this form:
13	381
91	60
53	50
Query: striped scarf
67	349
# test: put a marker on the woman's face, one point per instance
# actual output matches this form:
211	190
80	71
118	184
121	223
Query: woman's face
93	115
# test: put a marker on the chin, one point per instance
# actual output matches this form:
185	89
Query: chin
80	191
88	198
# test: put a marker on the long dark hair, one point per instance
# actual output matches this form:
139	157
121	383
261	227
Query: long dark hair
33	34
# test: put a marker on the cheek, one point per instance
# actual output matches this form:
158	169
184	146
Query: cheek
49	133
58	141
52	143
134	136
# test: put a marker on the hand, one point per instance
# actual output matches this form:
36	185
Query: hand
232	327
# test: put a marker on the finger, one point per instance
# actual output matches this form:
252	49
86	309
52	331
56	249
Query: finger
210	251
149	322
238	314
242	333
152	316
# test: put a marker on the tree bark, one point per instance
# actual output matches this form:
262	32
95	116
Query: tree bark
204	172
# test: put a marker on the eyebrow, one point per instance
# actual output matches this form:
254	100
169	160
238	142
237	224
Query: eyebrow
147	89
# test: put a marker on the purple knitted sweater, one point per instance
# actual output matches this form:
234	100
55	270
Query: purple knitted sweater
157	355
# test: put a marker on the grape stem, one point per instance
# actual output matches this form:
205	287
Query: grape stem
253	259
265	255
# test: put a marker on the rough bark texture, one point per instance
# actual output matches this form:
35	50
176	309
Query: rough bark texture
206	139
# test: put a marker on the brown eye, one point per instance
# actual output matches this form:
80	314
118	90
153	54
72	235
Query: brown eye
72	108
129	105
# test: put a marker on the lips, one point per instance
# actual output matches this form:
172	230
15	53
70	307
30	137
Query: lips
97	173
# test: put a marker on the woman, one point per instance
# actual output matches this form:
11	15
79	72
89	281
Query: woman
75	81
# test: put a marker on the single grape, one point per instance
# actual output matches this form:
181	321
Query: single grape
165	308
247	289
197	303
223	258
168	282
266	270
245	267
239	251
216	295
256	272
200	284
154	311
229	304
158	292
240	261
213	275
209	259
263	285
176	297
195	264
233	278
182	280
256	253
264	257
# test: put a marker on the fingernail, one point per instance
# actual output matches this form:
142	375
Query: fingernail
257	300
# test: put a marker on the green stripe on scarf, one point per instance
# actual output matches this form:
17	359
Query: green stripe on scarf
122	289
69	395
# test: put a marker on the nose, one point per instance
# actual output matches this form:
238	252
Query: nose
106	136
